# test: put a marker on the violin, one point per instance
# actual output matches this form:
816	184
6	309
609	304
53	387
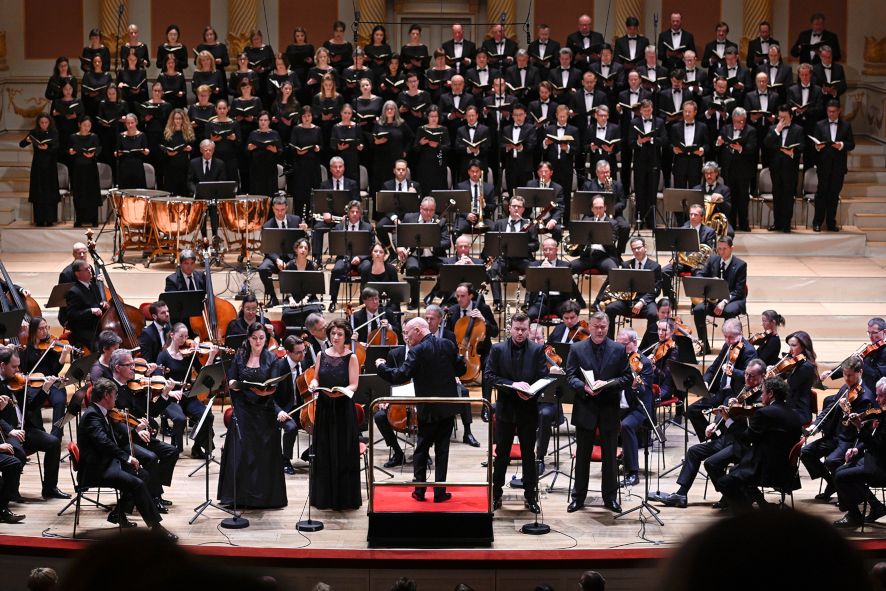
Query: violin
759	337
872	348
787	365
58	346
140	365
662	350
865	415
552	358
118	416
636	363
579	332
155	384
469	333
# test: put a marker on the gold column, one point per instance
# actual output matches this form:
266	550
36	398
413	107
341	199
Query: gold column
754	12
494	8
108	19
371	11
241	20
3	64
623	10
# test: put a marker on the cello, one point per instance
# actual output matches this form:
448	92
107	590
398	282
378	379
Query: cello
13	301
217	312
126	321
469	333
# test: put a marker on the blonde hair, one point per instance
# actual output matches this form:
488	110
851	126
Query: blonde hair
322	92
206	55
187	130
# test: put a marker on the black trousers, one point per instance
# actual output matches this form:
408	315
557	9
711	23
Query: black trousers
547	413
622	308
290	434
435	433
784	188
11	470
502	267
387	431
159	460
39	440
696	417
339	271
415	266
852	482
525	428
831	450
827	198
695	456
179	413
631	424
700	313
133	487
646	192
585	439
738	213
265	270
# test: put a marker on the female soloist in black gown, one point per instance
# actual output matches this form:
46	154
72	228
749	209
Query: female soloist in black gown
256	455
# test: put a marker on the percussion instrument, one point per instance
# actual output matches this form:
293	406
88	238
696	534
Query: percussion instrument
244	216
133	213
174	220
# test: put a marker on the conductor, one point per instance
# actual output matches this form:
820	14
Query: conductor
433	364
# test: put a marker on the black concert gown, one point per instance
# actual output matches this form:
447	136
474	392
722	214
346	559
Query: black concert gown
43	189
252	448
131	166
336	466
85	186
306	174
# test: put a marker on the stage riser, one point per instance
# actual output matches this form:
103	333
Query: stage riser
430	530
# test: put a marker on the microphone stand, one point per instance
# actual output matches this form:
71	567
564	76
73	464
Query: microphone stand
309	525
237	521
654	511
199	509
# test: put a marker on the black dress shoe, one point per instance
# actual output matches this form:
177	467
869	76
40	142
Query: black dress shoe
162	531
744	229
164	501
412	306
7	516
675	500
198	454
824	497
658	496
54	493
306	455
288	469
541	467
161	508
418	496
497	307
120	519
876	513
722	505
398	459
428	300
613	506
442	498
816	228
532	506
273	302
496	503
631	480
574	506
848	522
484	414
470	440
833	228
331	307
17	499
772	229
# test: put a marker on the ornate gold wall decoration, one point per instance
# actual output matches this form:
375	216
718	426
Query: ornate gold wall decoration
109	18
241	20
33	105
494	10
370	11
3	64
874	56
755	11
623	10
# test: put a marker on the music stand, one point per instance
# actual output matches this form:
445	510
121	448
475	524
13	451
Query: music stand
418	236
582	202
280	240
209	380
303	282
397	202
685	349
183	304
215	190
79	370
394	291
233	341
635	280
57	296
536	196
11	323
445	197
453	275
207	502
371	386
331	200
675	240
709	288
546	280
689	380
563	394
507	245
679	200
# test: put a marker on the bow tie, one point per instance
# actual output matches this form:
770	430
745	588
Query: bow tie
481	70
456	96
763	93
632	38
561	127
834	122
826	67
472	127
647	121
522	69
542	43
805	87
690	125
589	93
601	129
677	91
456	42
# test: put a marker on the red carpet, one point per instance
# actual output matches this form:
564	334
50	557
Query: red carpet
398	499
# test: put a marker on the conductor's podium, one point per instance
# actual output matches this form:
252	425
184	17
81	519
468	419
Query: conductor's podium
397	520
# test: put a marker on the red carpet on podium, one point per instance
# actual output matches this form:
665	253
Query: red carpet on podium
398	499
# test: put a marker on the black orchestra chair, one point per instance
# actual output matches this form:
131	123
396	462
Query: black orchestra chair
81	488
743	318
787	488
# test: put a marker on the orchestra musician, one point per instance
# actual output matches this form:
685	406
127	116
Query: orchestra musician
596	408
666	349
108	341
250	313
542	303
716	192
21	423
337	181
501	266
252	459
433	364
823	456
299	357
461	256
153	337
513	366
186	277
83	305
863	468
352	222
767	343
79	252
717	452
481	193
104	461
469	303
550	218
635	406
10	475
372	315
640	304
604	182
137	399
273	261
400	184
803	376
598	256
874	362
724	376
706	235
41	348
772	431
735	271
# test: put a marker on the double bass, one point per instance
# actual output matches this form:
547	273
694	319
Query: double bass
217	312
14	301
126	321
469	333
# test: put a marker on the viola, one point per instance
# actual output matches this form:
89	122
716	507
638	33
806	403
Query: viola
383	335
552	358
58	346
787	365
118	416
579	332
469	333
662	350
636	364
759	337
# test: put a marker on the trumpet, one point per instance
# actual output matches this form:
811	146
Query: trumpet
318	217
478	203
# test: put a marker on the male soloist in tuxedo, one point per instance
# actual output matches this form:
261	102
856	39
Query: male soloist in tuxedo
104	462
514	364
84	306
596	408
276	261
737	147
206	169
433	364
837	141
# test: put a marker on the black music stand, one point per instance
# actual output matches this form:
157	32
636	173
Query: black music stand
349	244
452	275
582	202
303	282
280	240
685	349
392	291
591	232
331	201
547	279
57	296
397	202
636	280
183	304
419	236
445	197
374	352
563	394
505	245
675	240
234	341
678	201
79	370
709	288
216	190
536	196
11	323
